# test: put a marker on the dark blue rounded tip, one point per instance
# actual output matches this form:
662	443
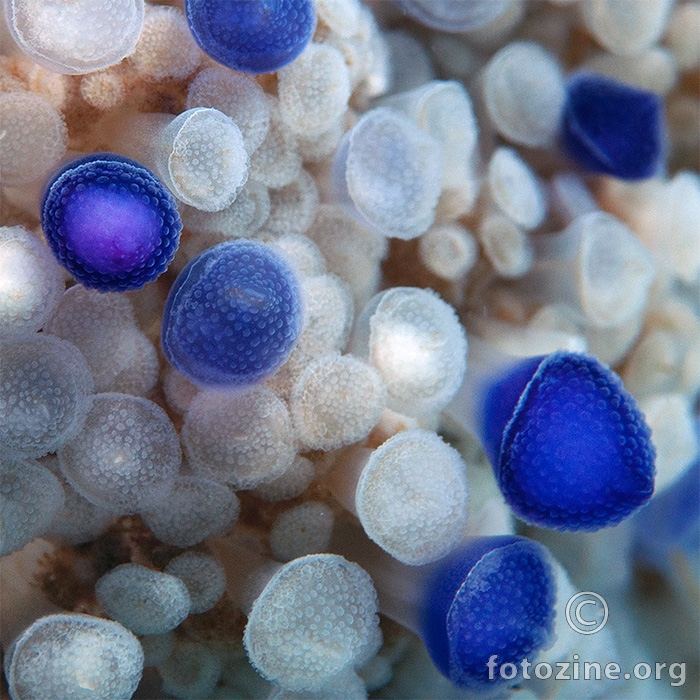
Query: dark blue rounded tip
233	315
577	452
254	36
494	596
110	222
610	128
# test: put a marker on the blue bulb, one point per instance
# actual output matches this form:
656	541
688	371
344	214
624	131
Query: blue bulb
611	128
495	595
575	453
254	36
110	222
233	315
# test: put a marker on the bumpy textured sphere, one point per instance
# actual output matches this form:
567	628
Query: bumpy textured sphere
233	315
204	577
193	510
303	530
75	657
576	452
454	15
191	671
126	457
613	129
110	222
495	595
143	600
30	497
311	621
253	36
45	394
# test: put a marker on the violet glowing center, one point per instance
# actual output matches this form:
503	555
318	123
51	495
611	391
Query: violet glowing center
111	231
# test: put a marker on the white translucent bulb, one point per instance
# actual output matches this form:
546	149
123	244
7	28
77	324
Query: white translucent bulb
443	109
143	600
411	497
506	245
674	434
157	647
626	26
311	621
238	96
166	48
76	37
30	498
316	148
33	140
179	391
302	253
291	484
347	685
410	63
328	315
99	325
78	521
515	189
570	197
336	401
191	671
248	212
314	89
454	56
276	162
204	577
31	282
682	33
352	252
451	16
141	373
239	439
523	90
126	457
202	158
45	394
103	90
448	250
417	344
193	510
387	174
340	16
75	657
303	530
292	207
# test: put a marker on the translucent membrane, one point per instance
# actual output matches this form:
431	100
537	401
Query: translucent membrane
110	222
523	91
291	484
165	49
625	26
314	90
336	401
103	90
126	457
454	15
239	439
415	341
596	266
305	529
409	62
252	36
75	656
568	444
448	250
236	95
193	510
31	283
292	207
78	521
34	137
410	495
143	600
191	671
570	197
515	189
157	647
491	595
443	109
302	253
507	246
45	395
30	497
204	577
103	328
387	174
311	622
74	38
